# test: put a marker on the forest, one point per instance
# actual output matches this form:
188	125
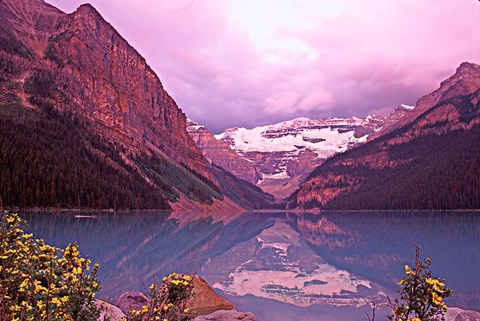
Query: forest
48	160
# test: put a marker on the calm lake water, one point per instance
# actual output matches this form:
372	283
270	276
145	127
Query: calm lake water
281	266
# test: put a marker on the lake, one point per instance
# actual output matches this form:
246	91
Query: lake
279	265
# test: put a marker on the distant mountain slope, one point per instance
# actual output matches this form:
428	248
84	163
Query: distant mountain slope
278	157
244	193
432	162
77	66
220	154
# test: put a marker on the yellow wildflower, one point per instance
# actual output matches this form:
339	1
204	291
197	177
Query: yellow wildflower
437	300
40	304
23	285
56	301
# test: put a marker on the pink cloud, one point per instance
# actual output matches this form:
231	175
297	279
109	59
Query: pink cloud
355	59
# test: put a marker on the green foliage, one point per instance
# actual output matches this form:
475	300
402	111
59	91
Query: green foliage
49	159
168	301
432	172
242	192
40	282
41	83
421	295
167	175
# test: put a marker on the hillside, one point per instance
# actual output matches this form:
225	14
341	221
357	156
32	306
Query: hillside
431	162
87	123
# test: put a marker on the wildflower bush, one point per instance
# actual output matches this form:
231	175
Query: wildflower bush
421	295
41	282
168	302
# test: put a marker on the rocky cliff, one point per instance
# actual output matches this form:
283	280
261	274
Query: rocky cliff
78	65
428	159
220	153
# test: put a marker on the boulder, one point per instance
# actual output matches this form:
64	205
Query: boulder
230	315
109	312
205	300
131	300
457	314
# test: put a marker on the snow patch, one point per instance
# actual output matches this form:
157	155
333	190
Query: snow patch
407	107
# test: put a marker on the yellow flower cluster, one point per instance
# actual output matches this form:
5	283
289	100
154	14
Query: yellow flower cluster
168	301
421	296
438	290
41	282
437	285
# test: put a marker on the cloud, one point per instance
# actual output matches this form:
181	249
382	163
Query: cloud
247	63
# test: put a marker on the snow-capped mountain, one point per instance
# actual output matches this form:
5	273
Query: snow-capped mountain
324	136
284	153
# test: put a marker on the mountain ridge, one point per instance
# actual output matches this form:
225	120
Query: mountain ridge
428	160
279	156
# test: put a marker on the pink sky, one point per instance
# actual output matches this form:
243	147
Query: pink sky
246	63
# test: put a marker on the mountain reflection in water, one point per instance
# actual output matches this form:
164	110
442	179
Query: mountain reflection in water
286	261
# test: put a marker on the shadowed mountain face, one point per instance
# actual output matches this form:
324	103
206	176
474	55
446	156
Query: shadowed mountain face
77	70
431	162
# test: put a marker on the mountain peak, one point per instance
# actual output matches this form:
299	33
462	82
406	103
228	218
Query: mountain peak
87	8
468	66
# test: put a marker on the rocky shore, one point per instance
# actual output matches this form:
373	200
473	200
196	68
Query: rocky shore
206	304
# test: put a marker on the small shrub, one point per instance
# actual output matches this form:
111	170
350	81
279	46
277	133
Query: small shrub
168	301
421	295
41	282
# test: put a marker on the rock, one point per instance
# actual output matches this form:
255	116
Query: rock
231	315
131	300
457	314
108	311
205	300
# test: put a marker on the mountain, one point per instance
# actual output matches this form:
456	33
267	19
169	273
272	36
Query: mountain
235	174
220	153
429	159
283	154
93	119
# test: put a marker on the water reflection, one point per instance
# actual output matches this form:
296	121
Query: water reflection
359	248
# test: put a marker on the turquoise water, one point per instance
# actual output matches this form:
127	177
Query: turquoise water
132	247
